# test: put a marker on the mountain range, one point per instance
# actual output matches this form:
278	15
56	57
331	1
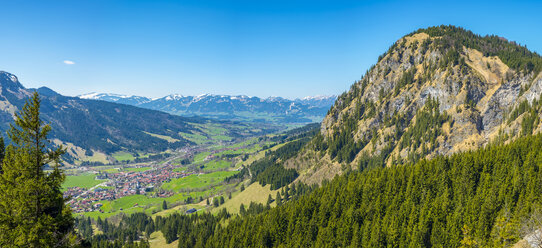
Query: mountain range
226	107
89	128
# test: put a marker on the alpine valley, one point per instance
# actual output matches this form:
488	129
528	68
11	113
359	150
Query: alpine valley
96	131
439	144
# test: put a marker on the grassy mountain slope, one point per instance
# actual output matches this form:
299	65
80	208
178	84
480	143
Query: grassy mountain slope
439	90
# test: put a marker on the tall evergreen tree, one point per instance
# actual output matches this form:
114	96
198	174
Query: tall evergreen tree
2	151
33	212
278	199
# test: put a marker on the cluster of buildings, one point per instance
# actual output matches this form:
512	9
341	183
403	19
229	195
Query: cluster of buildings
122	184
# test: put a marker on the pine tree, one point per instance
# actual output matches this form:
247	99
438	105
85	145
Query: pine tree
2	152
278	199
164	205
286	194
242	210
32	209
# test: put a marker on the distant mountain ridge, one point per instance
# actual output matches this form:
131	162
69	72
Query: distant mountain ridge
239	107
87	127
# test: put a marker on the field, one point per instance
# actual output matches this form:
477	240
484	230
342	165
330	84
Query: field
180	209
138	169
260	154
164	137
216	165
96	157
207	133
150	205
253	193
157	240
197	181
201	156
84	181
195	137
120	156
112	170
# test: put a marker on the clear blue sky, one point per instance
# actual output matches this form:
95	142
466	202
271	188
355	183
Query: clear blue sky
261	48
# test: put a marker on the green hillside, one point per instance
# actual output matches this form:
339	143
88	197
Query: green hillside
484	198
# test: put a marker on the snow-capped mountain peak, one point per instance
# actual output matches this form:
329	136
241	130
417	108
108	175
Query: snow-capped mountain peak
210	105
118	98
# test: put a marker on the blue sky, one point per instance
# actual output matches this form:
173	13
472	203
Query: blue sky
258	48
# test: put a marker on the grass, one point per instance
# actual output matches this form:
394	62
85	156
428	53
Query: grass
197	181
112	170
120	156
253	193
130	201
83	181
244	143
128	205
195	137
201	156
96	157
207	133
221	137
157	240
251	149
181	169
149	205
138	169
164	137
261	154
180	209
216	165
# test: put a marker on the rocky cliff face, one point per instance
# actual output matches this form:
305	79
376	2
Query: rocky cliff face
435	92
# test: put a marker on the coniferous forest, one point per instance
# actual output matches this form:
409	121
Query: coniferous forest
484	198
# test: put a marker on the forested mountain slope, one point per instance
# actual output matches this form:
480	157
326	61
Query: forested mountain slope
484	198
436	91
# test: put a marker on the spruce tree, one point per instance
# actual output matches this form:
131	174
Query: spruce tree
33	212
2	151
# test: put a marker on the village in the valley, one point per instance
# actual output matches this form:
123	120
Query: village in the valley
133	179
121	184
